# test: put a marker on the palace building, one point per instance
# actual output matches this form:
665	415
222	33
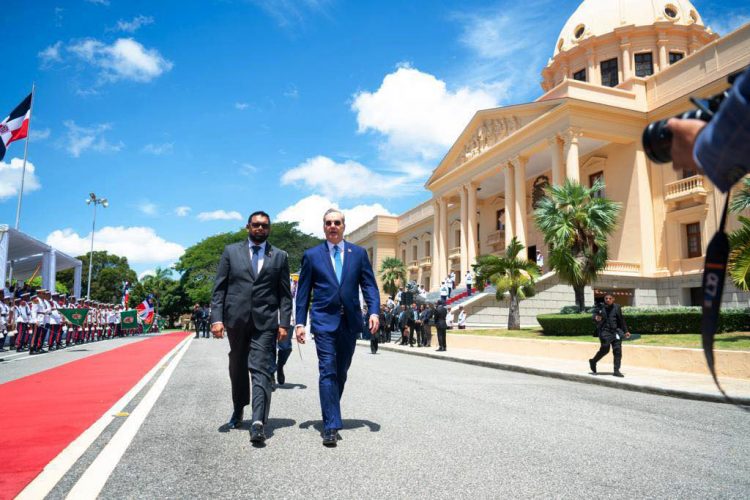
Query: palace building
616	66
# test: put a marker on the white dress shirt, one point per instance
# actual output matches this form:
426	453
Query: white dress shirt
341	252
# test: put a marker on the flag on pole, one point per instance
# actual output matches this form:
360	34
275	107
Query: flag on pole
16	125
129	319
125	293
75	316
146	311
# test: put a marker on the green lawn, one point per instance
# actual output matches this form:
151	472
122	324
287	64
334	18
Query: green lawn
738	341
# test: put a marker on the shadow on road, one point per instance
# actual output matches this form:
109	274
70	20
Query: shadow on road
348	425
271	425
291	386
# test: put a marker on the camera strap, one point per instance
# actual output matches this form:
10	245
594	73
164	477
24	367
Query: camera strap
714	274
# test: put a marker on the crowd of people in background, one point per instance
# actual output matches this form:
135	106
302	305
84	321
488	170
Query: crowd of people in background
32	321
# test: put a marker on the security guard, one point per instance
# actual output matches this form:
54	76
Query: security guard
611	328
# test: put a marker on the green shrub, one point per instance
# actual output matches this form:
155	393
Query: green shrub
648	321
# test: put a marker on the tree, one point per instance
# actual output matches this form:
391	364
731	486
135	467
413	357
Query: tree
107	274
509	274
199	262
36	283
392	273
170	298
576	224
739	240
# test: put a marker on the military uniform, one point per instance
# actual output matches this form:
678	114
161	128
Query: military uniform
611	328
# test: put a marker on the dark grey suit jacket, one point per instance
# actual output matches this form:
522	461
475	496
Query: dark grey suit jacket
240	297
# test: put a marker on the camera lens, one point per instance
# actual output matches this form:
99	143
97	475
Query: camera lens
657	142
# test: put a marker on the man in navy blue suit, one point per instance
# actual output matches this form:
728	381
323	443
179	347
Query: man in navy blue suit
333	273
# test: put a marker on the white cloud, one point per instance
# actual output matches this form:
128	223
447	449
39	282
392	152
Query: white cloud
81	139
288	13
182	211
219	215
10	178
135	24
148	208
291	92
99	2
125	59
138	244
39	134
248	169
352	179
727	21
308	212
417	113
241	105
158	149
51	54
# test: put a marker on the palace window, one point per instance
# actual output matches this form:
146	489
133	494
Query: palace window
689	172
670	11
427	248
458	237
580	75
609	72
414	252
500	220
579	31
403	256
598	176
675	56
693	232
644	64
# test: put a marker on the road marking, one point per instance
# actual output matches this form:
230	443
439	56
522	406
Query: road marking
90	484
61	464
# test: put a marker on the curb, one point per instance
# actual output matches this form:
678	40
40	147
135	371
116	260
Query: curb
584	379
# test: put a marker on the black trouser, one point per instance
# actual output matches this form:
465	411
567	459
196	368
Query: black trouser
205	328
373	343
404	336
251	349
198	328
427	335
616	344
441	337
412	329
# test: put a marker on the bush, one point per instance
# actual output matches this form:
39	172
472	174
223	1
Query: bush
647	320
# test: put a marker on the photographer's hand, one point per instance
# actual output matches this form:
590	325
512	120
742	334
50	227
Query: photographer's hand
684	133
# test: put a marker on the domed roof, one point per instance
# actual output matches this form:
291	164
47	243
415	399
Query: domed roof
599	17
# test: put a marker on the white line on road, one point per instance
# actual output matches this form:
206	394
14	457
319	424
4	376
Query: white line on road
61	464
92	481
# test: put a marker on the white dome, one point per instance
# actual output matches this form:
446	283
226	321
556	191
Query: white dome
599	17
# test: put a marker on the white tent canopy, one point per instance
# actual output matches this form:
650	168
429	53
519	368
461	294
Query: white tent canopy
25	256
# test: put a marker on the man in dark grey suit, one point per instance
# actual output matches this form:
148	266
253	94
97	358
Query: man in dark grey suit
252	299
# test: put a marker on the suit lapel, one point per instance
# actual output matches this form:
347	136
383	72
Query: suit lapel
266	259
347	260
245	258
328	263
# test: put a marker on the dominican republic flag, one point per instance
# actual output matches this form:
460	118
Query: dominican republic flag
125	293
145	311
16	125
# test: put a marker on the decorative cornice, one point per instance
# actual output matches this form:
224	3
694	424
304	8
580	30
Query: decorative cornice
489	133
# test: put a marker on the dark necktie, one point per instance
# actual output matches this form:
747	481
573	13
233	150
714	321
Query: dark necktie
256	258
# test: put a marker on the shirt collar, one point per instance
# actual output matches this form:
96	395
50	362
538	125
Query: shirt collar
261	245
331	245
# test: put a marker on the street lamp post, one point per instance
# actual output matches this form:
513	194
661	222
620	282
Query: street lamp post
96	201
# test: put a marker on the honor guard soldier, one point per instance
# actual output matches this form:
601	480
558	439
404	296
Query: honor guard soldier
36	324
22	316
46	308
55	322
4	317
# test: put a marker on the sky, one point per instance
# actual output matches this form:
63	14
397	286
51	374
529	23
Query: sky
189	115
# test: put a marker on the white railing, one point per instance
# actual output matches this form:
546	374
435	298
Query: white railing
414	264
426	261
496	237
454	253
684	188
615	266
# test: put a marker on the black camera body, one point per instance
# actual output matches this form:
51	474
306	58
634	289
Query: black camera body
657	138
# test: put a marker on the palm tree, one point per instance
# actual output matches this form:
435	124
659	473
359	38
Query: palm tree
576	224
392	273
509	274
739	240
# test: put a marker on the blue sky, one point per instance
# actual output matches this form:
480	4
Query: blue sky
188	115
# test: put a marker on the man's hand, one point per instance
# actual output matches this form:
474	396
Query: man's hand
282	334
627	335
299	332
684	133
597	318
374	323
217	329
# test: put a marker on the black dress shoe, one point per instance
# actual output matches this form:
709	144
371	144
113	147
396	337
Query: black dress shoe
280	377
235	422
592	365
257	435
618	374
329	438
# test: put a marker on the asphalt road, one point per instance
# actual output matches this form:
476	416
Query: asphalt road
425	428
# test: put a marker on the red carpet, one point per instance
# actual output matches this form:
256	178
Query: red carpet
43	413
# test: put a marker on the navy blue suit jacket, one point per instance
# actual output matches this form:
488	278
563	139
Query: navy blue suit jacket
317	281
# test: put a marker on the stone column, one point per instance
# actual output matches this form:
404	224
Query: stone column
510	203
4	240
625	56
436	226
661	42
572	167
519	169
556	154
464	215
646	212
49	270
77	280
471	234
443	270
592	67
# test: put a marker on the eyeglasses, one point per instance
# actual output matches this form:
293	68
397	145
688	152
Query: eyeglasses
256	225
336	223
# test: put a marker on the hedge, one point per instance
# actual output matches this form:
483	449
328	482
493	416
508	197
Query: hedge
646	321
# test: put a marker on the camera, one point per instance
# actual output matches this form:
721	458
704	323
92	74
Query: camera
657	138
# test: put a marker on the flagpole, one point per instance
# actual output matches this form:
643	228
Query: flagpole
25	153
